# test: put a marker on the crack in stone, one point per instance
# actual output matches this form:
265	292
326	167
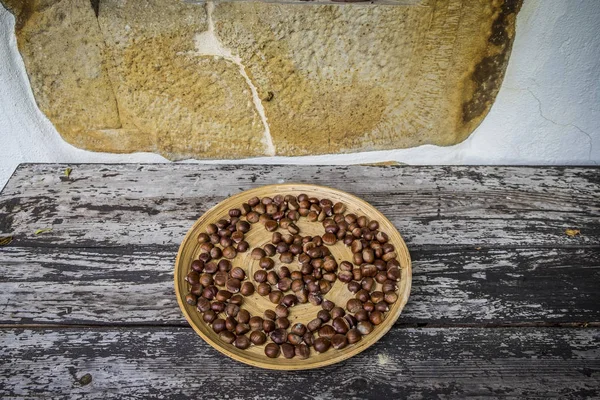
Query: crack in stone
208	44
590	140
95	7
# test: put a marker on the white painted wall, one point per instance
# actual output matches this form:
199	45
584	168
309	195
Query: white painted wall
547	111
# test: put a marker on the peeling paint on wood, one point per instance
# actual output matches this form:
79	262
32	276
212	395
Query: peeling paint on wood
406	363
488	245
125	205
121	286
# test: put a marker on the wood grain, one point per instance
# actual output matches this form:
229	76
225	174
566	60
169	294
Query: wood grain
116	229
133	285
129	205
406	363
488	246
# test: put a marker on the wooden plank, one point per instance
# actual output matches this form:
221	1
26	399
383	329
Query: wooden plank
406	363
125	204
127	285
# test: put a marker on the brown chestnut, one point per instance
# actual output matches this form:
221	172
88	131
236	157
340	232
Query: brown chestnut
281	310
256	322
289	300
218	325
209	316
230	253
282	323
270	314
376	317
258	337
263	289
233	285
390	297
340	325
314	324
339	341
258	253
260	276
243	316
268	326
275	296
288	350
294	339
227	336
322	344
298	329
191	299
302	351
247	288
237	299
220	278
203	304
286	257
238	273
278	336
353	336
272	350
354	305
364	327
241	329
337	312
326	331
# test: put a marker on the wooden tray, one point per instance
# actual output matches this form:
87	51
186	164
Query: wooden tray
256	304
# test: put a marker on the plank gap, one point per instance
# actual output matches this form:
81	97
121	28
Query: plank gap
424	325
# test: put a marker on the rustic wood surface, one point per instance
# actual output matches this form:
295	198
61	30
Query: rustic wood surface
433	207
407	363
125	286
489	249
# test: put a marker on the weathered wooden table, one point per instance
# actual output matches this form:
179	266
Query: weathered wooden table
504	301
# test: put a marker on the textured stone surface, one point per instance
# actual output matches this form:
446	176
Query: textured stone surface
191	105
370	77
326	78
63	52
